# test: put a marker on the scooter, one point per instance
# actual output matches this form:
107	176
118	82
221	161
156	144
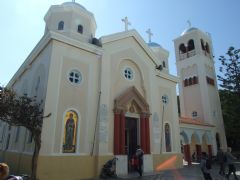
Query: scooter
22	177
109	169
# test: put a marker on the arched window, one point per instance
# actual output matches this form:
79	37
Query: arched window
37	86
80	29
70	132
168	138
190	81
30	137
207	48
195	80
202	45
61	25
191	45
182	49
185	82
17	133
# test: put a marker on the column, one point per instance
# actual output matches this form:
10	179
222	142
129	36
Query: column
187	155
122	133
210	151
147	135
116	133
142	133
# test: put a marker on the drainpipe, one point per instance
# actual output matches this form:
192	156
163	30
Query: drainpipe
98	106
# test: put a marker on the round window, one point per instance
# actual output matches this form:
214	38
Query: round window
75	77
165	99
128	73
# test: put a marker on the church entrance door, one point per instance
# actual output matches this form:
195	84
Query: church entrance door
131	140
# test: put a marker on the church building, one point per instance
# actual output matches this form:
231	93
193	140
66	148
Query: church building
108	95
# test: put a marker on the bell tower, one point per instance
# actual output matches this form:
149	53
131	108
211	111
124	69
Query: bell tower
198	92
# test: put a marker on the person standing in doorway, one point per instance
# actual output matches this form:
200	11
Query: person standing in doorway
139	155
230	162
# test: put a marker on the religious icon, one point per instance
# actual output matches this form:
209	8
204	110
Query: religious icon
167	138
70	129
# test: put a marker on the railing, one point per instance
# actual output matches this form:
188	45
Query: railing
187	54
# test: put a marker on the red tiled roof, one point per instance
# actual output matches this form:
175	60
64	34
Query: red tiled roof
187	120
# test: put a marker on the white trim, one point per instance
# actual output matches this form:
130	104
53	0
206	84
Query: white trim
57	100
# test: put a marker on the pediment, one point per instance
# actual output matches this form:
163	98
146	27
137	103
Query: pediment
131	34
131	101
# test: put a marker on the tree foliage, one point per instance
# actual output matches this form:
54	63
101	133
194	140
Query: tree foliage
20	110
230	94
23	111
230	69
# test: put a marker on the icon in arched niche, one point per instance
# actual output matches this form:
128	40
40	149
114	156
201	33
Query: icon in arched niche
167	138
70	132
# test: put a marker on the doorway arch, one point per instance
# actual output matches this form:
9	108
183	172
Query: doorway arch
130	101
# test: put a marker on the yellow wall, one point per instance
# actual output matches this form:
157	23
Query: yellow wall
70	167
74	167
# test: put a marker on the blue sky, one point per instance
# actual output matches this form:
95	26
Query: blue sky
22	24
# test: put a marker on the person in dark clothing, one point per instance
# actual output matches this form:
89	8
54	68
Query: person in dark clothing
230	162
139	155
193	156
205	167
222	159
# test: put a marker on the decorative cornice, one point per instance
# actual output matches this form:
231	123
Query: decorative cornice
131	94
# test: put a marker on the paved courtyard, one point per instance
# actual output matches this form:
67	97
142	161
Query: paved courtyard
192	172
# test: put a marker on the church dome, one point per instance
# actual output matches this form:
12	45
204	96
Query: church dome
188	30
71	19
153	44
74	4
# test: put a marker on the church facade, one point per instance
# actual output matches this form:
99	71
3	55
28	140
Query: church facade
107	96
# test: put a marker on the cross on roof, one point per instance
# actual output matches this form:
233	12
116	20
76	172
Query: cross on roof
126	22
150	34
189	23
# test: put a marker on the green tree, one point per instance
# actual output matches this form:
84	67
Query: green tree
230	71
229	78
23	111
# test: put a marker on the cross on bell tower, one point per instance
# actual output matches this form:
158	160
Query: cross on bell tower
126	22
